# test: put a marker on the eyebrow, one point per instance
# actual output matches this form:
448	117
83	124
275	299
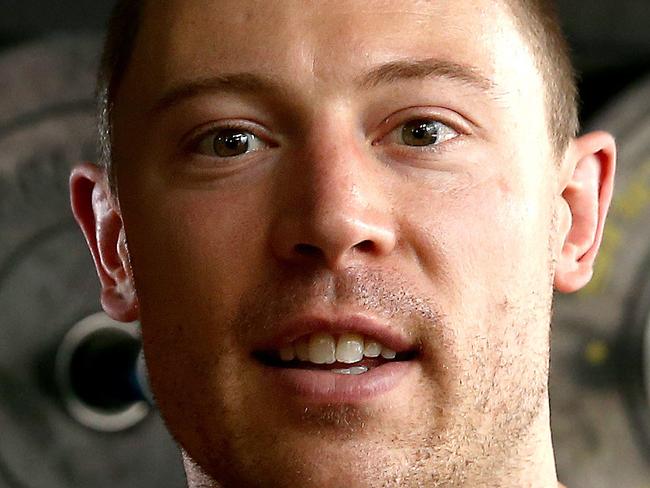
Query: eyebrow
420	69
233	83
384	74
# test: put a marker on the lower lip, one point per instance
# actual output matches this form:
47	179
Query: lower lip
322	386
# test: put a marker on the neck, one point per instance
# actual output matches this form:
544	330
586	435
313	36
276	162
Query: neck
196	477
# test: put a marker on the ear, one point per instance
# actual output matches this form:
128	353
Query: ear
587	184
98	215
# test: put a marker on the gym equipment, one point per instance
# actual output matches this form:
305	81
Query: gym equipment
64	421
600	362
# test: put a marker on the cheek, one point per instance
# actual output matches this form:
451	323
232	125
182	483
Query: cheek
194	253
483	233
485	253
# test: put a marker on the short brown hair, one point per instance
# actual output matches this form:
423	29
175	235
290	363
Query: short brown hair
537	20
540	25
123	26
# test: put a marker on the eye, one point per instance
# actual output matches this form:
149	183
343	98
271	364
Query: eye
229	143
423	132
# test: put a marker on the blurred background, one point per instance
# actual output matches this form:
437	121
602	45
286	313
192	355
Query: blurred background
65	422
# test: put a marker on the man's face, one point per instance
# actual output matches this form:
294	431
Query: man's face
338	161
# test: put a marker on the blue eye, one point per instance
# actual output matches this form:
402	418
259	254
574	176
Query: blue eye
229	143
425	132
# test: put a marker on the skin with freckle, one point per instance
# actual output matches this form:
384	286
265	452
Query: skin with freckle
456	244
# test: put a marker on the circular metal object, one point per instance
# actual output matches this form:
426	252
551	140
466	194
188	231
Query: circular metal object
633	359
48	283
93	365
599	386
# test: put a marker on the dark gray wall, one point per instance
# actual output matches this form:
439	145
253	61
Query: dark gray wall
608	32
24	19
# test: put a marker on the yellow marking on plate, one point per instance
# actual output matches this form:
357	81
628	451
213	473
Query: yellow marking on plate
596	352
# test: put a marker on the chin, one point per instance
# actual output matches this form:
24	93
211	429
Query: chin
323	464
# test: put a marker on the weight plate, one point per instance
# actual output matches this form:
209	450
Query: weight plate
599	378
48	283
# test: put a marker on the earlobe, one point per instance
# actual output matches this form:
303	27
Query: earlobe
586	194
101	223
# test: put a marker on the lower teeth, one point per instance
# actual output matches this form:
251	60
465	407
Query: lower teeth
353	370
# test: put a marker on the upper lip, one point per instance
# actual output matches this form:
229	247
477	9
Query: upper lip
387	335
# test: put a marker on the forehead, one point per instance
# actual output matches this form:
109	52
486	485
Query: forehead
326	41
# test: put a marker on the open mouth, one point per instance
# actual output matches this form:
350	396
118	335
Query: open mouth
345	354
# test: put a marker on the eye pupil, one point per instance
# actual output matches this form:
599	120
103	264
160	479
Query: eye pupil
420	132
231	142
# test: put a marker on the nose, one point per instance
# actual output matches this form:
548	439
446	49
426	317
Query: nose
335	209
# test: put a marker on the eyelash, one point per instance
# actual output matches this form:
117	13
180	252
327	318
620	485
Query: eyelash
197	140
398	133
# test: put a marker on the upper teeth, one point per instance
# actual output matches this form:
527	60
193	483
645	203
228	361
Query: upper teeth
323	348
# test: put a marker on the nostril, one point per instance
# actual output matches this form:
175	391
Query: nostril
365	246
313	252
309	250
